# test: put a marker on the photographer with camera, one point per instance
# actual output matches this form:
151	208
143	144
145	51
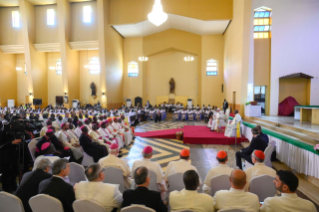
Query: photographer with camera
8	160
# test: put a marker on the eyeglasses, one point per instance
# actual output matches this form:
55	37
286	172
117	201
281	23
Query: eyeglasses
102	170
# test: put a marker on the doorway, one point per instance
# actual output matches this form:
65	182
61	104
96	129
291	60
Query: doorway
260	97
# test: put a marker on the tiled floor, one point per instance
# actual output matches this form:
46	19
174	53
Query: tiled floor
290	121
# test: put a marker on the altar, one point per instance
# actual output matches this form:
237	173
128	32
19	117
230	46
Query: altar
307	113
172	99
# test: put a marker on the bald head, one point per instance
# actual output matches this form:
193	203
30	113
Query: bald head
238	179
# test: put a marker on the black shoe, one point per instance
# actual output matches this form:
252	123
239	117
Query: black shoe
119	156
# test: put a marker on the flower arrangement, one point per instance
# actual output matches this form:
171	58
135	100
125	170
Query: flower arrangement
316	148
179	135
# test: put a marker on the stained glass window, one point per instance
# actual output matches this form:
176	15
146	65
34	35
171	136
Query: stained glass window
262	23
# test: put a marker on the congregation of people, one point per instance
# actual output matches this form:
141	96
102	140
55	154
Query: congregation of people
71	136
137	192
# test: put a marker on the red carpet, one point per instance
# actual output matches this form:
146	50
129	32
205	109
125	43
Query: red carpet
159	133
193	135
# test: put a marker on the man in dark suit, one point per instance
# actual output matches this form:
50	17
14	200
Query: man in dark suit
57	187
257	143
141	195
225	106
90	147
29	185
265	136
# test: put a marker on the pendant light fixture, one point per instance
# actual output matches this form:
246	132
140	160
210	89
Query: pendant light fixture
188	58
143	59
52	66
87	66
18	68
157	16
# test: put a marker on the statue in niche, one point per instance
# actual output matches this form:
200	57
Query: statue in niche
172	85
93	89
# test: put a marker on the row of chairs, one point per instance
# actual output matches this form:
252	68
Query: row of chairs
46	203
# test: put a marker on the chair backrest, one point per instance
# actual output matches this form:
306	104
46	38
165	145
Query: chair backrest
268	151
87	205
219	182
114	175
137	208
43	202
233	210
176	182
87	159
263	187
32	147
9	202
153	184
76	173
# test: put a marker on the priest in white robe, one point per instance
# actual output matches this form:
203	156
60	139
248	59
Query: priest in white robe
66	140
215	120
230	130
127	135
97	137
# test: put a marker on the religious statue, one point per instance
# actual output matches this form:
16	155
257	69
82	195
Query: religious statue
93	89
172	86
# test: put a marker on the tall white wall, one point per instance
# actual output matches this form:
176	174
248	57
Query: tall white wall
295	44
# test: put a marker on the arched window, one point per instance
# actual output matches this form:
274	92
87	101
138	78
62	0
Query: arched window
94	66
211	67
58	67
262	22
132	69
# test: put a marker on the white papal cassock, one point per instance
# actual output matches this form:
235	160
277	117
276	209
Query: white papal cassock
230	128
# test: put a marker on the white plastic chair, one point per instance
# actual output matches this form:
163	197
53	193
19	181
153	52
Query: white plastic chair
153	184
87	159
32	147
77	173
263	187
9	202
176	182
87	205
219	182
43	202
137	208
114	175
268	151
233	210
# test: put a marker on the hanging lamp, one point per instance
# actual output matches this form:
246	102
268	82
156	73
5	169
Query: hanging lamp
157	16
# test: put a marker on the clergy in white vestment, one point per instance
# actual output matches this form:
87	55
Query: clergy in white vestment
180	166
45	128
287	183
97	137
106	134
117	135
114	161
259	168
126	126
66	140
236	197
215	120
72	134
153	166
229	131
221	168
78	130
119	128
210	119
66	116
87	124
107	195
58	123
189	198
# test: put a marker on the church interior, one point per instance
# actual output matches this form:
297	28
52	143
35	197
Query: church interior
186	74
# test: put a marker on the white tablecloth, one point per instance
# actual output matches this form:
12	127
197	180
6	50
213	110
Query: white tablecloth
253	110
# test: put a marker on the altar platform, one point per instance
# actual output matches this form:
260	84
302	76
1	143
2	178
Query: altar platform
304	131
194	135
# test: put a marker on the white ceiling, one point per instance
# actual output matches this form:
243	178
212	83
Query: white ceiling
173	22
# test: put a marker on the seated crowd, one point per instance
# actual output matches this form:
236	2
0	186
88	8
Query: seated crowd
111	198
67	140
